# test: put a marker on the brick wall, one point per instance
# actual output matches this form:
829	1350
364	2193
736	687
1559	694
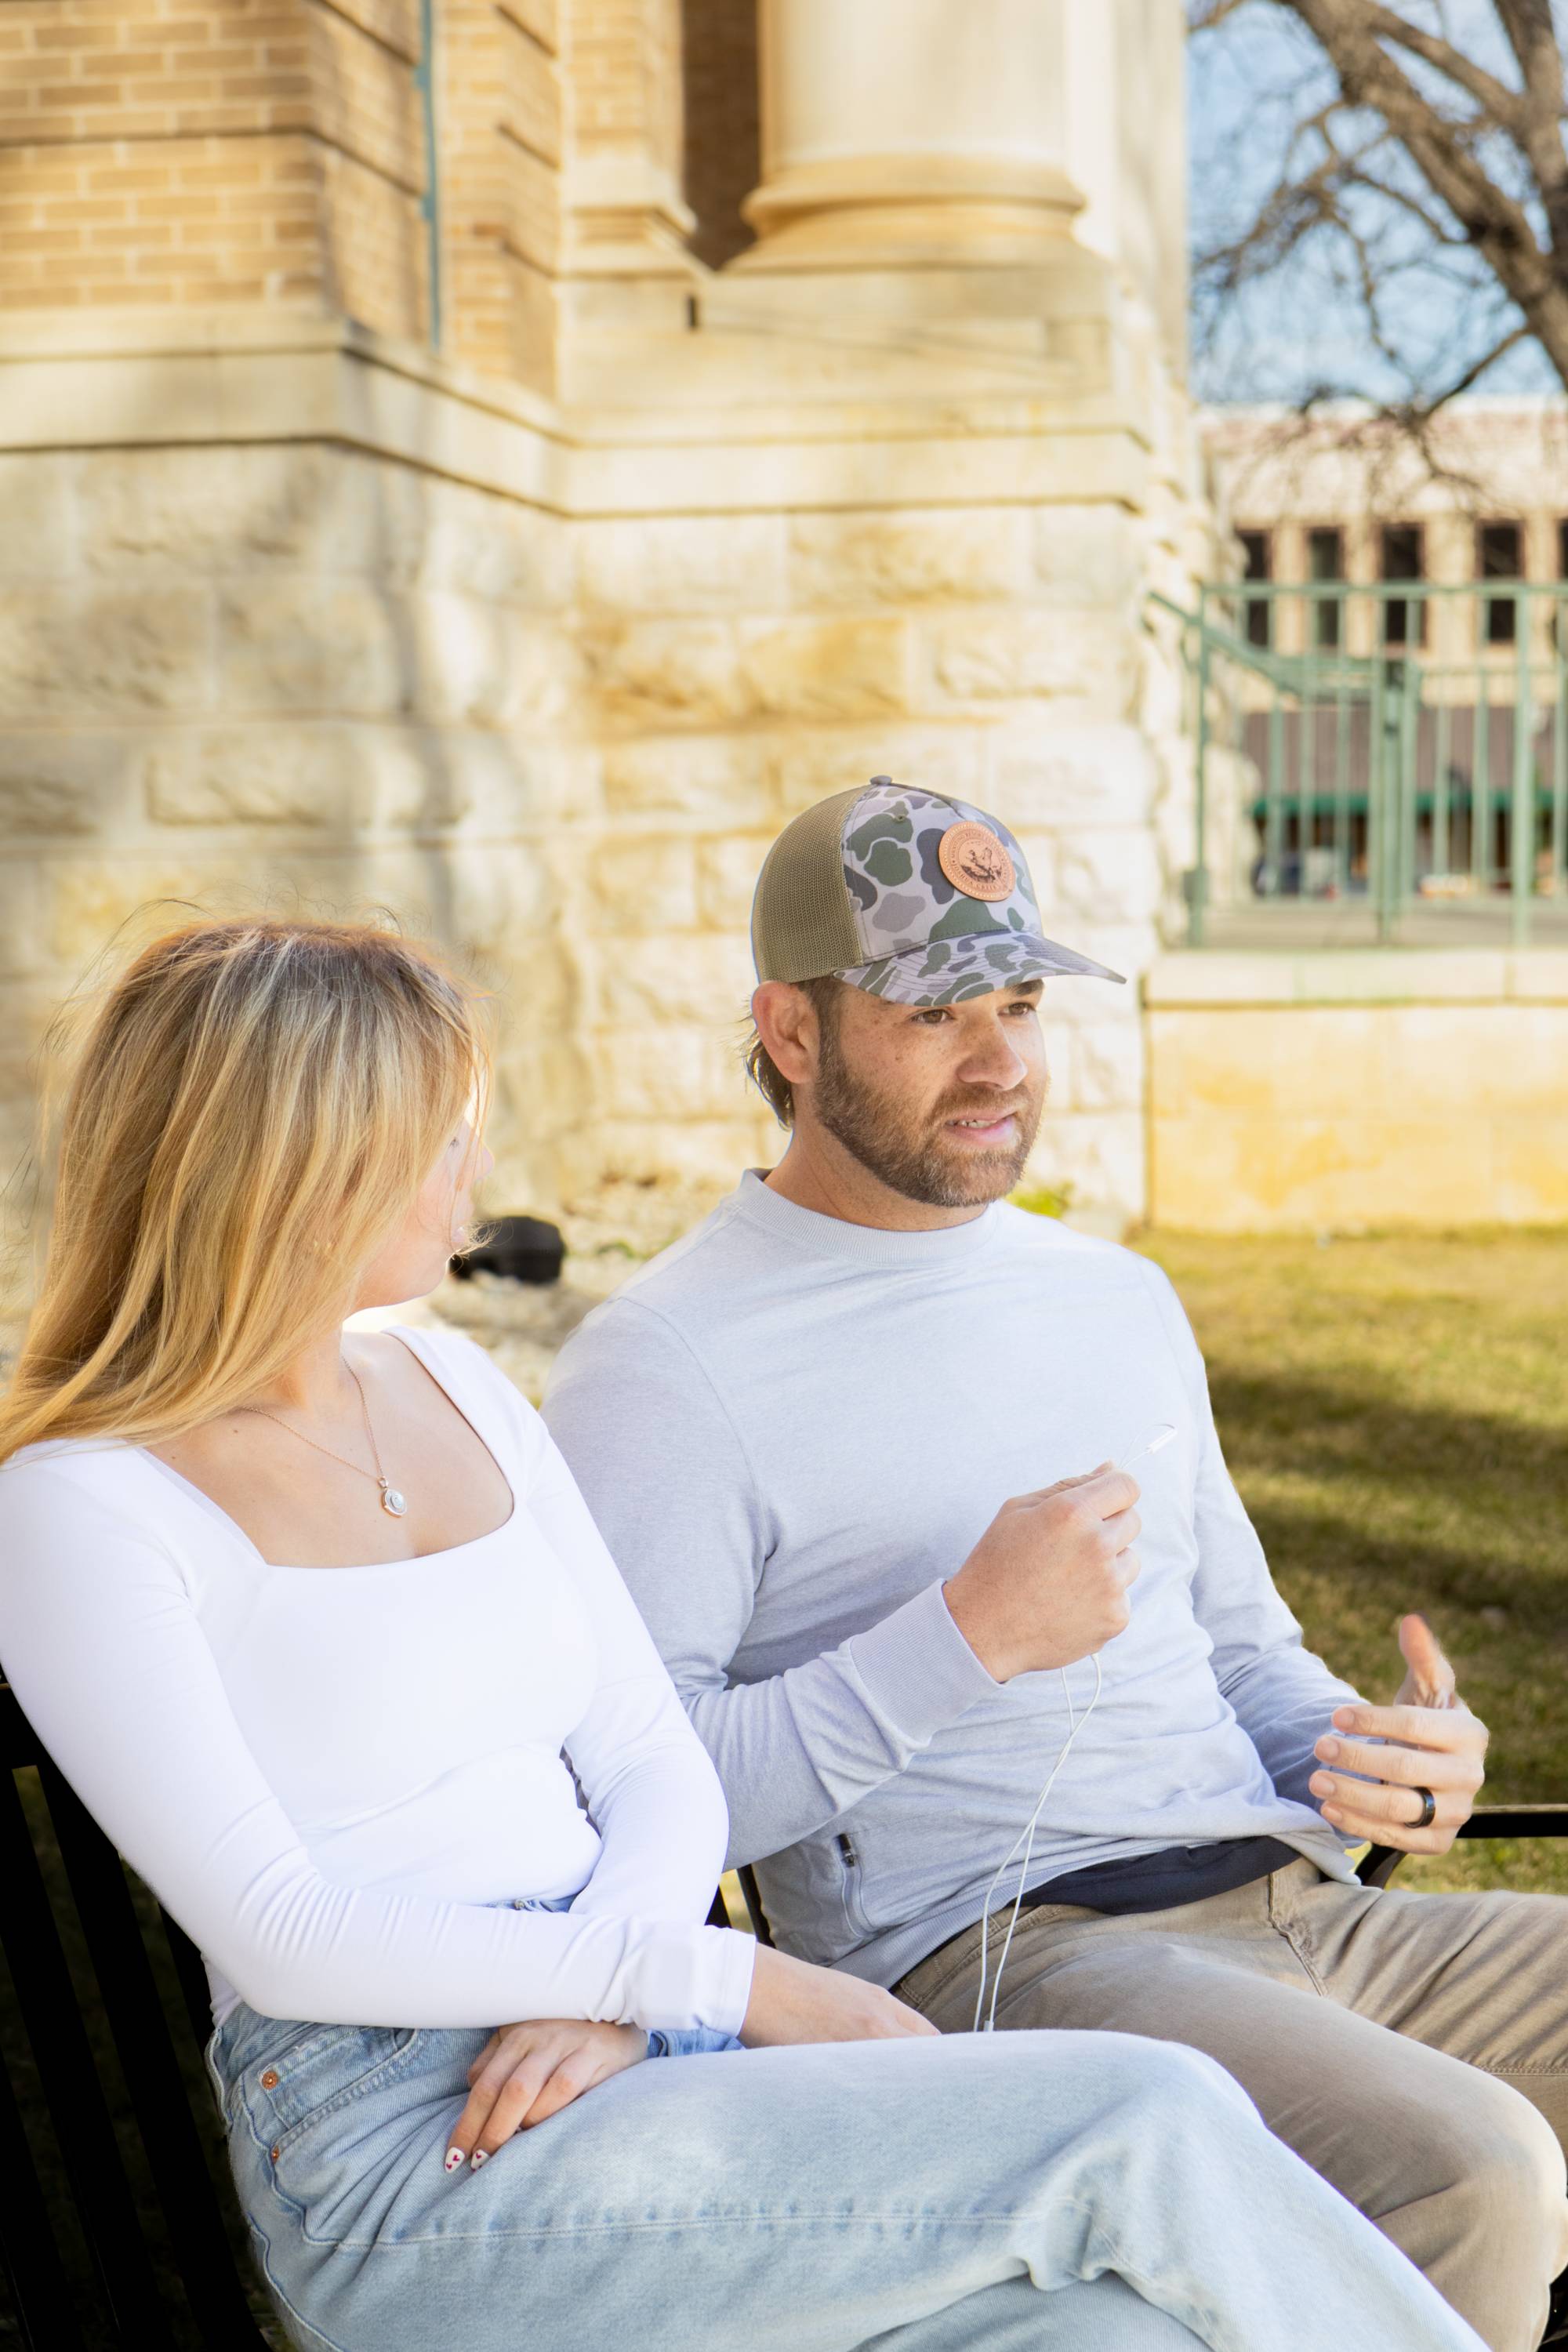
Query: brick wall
210	151
626	80
498	129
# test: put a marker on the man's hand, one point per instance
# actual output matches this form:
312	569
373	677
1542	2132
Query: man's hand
1435	1743
1047	1583
529	2072
793	2001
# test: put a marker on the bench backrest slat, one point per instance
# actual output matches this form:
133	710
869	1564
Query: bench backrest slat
40	2299
151	2071
164	2275
67	2078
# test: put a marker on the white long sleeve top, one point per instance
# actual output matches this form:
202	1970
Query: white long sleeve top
331	1776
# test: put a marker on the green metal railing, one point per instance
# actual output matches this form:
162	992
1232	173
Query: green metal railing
1400	745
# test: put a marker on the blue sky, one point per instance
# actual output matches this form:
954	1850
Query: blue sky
1248	84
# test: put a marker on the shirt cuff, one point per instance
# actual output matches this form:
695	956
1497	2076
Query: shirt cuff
725	2009
917	1668
688	1978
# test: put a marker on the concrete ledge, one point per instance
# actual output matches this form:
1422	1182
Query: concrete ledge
1360	976
707	446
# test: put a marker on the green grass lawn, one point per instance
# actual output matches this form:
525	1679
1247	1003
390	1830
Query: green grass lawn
1394	1411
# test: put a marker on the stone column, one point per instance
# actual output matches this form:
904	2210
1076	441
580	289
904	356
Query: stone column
907	133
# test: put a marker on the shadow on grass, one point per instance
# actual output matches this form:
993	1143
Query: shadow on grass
1328	1426
1368	1505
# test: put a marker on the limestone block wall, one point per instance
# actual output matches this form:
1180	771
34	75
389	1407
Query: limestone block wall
289	670
539	636
739	667
1348	1091
285	675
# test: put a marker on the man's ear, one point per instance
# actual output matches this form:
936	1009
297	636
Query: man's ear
787	1025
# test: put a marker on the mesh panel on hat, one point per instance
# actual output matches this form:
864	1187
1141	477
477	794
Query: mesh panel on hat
802	922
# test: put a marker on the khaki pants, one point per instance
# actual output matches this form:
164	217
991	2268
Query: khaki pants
1386	2036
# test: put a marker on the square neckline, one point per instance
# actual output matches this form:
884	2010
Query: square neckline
404	1334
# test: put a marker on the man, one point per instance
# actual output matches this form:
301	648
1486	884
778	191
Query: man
800	1429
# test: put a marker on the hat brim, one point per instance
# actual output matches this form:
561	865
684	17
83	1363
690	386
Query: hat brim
975	963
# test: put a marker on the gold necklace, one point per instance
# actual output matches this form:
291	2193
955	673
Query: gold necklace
392	1497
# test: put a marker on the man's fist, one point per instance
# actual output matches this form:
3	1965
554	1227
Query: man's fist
1048	1582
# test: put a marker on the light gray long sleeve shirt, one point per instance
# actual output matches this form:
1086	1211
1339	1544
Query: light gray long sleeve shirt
791	1430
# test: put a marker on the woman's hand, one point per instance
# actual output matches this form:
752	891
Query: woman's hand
792	2001
529	2072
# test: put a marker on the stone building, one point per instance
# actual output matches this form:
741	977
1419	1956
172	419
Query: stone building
1487	499
1377	1030
500	458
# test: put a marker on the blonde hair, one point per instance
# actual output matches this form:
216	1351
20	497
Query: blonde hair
255	1110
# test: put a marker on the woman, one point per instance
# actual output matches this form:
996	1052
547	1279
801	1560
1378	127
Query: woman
320	1628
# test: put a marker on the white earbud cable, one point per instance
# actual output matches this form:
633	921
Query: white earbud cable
1025	1837
985	2020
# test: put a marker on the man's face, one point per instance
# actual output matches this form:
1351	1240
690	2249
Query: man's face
942	1102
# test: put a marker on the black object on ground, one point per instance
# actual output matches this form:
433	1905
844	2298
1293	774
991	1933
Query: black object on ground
525	1249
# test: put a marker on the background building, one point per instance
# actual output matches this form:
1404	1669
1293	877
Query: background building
1375	1031
501	458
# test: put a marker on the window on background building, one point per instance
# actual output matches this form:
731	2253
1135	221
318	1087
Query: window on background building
1403	618
1257	611
1563	551
1497	557
1325	561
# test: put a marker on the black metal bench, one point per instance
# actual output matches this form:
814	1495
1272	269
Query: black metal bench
118	2226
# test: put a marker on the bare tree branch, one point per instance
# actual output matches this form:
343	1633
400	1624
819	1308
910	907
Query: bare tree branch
1436	227
1532	36
1490	157
1503	104
1429	408
1371	77
1207	13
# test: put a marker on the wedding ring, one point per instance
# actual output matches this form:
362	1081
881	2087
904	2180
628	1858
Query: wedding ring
1428	1813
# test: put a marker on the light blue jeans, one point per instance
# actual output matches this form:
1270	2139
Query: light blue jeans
1062	2192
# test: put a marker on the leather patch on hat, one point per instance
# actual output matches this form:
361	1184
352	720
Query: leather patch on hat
975	862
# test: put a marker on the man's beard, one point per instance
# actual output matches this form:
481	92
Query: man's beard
877	1131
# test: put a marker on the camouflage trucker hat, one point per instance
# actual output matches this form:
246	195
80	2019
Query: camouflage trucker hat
906	893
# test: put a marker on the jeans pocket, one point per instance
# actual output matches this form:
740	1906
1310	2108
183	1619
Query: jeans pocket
311	2071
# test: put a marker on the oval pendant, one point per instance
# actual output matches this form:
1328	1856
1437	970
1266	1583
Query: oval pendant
391	1500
